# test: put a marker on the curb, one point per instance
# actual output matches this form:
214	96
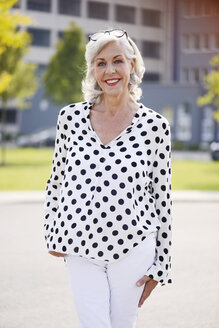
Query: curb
19	197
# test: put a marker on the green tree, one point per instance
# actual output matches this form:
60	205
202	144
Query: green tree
64	72
17	79
212	95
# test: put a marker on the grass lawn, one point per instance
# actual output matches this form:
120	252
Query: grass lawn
29	169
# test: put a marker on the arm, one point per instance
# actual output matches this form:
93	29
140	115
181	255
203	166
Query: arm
54	183
161	268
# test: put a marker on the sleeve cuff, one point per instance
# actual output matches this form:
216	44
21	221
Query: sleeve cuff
157	273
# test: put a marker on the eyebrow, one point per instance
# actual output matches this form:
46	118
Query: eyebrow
104	59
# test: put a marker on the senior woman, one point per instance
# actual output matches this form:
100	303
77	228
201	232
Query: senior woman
108	199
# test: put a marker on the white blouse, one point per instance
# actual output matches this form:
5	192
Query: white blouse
101	201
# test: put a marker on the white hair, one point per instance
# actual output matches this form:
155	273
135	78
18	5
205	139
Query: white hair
90	88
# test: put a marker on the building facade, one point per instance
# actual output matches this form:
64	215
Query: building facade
176	38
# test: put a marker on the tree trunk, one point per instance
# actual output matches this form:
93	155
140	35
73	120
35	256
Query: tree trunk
215	130
3	131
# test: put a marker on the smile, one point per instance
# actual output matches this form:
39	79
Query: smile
112	82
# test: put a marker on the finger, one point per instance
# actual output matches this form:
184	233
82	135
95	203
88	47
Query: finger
146	293
143	280
149	286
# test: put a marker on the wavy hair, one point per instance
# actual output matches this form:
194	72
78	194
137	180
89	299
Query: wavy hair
90	88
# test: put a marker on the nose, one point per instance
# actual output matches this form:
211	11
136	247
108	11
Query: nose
110	68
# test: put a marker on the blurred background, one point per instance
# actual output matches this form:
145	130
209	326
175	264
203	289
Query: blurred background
42	44
42	65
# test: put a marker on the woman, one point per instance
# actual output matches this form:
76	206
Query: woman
108	199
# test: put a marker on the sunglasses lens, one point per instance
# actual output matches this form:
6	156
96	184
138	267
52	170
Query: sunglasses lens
96	36
118	33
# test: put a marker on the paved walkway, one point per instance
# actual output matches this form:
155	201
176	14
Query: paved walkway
7	197
35	290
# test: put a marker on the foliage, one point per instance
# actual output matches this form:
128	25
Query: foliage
212	82
23	84
64	73
17	78
12	40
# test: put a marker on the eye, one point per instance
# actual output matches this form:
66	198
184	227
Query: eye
101	64
117	61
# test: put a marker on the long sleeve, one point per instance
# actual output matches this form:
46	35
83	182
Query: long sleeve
54	183
161	191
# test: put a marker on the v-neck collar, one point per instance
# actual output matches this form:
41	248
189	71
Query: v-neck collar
126	130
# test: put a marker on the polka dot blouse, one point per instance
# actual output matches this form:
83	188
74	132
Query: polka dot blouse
101	201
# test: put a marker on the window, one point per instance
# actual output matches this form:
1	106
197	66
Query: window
207	124
39	5
60	35
196	41
99	10
202	73
151	17
184	122
151	77
125	14
194	74
151	49
185	75
11	116
186	41
69	7
41	37
205	71
205	40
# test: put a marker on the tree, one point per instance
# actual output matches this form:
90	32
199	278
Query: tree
212	96
64	73
17	79
11	39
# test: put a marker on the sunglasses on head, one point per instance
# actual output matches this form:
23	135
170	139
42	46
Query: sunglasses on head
118	33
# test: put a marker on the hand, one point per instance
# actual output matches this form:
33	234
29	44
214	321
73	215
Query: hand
57	254
150	284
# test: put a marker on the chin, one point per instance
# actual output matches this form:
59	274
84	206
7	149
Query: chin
113	92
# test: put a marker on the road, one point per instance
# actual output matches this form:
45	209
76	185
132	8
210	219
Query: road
35	290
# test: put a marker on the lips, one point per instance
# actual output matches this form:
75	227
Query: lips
112	82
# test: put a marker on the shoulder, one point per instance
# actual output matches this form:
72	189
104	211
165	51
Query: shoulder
157	121
73	108
71	111
154	116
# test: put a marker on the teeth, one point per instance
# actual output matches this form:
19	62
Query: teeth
112	81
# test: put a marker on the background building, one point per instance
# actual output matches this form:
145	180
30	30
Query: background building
176	38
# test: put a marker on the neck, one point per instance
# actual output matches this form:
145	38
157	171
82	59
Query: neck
113	105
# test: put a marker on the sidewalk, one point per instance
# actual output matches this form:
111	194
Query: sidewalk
9	197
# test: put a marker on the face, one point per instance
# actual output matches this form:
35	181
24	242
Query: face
112	70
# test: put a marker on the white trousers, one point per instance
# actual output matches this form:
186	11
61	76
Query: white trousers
105	295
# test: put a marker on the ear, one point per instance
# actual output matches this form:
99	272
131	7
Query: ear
133	60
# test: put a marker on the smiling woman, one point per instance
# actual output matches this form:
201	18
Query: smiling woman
112	70
108	199
90	87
